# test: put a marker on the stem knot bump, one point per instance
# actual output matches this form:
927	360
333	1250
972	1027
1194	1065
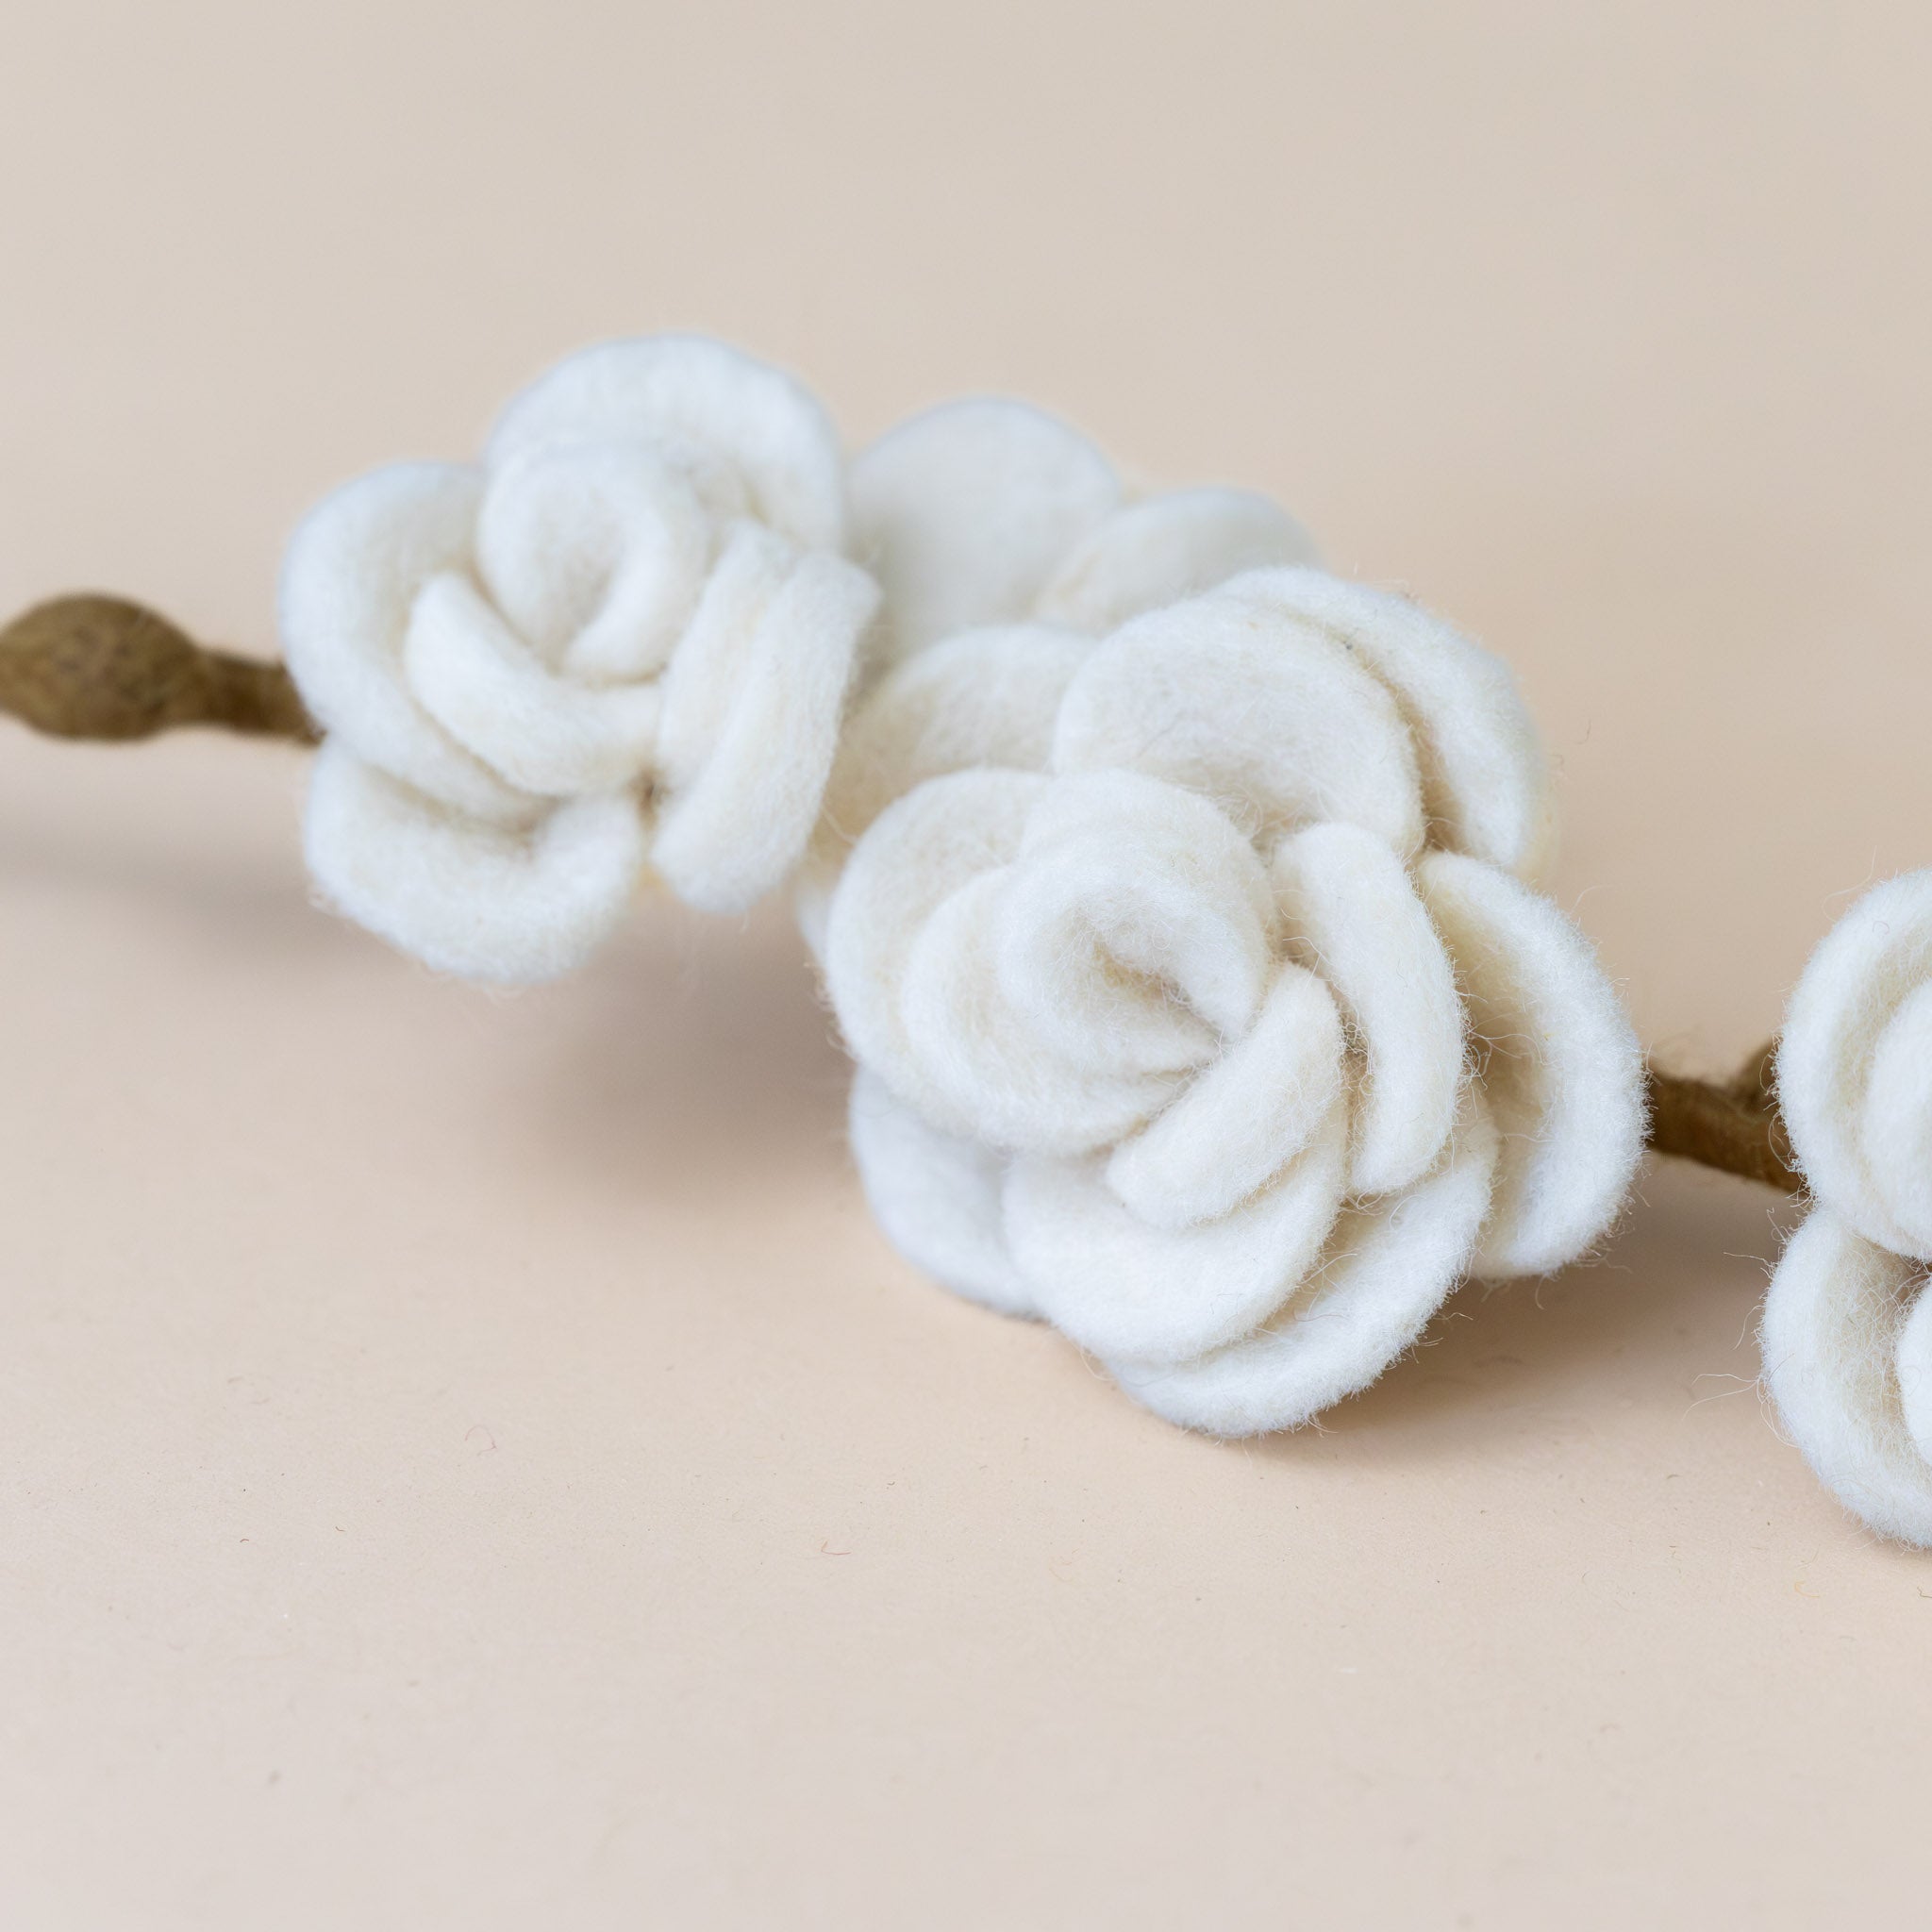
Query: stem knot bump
105	668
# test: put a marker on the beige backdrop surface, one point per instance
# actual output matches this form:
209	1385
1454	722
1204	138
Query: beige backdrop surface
468	1461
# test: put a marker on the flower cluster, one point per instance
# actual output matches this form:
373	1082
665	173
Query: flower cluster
1176	899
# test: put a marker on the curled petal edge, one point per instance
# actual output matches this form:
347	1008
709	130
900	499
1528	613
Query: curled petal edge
1559	1062
508	907
1847	1359
1386	1269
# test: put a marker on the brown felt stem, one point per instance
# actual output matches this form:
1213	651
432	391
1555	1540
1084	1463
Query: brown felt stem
101	667
1733	1126
104	667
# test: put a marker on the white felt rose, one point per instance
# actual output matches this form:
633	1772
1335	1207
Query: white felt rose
1226	1032
1004	543
622	639
1847	1332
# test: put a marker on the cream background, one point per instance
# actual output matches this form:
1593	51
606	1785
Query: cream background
467	1462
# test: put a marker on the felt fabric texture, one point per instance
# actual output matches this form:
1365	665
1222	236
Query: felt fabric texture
621	643
1854	1067
1847	1331
1201	1005
990	511
1005	544
89	666
1847	1347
